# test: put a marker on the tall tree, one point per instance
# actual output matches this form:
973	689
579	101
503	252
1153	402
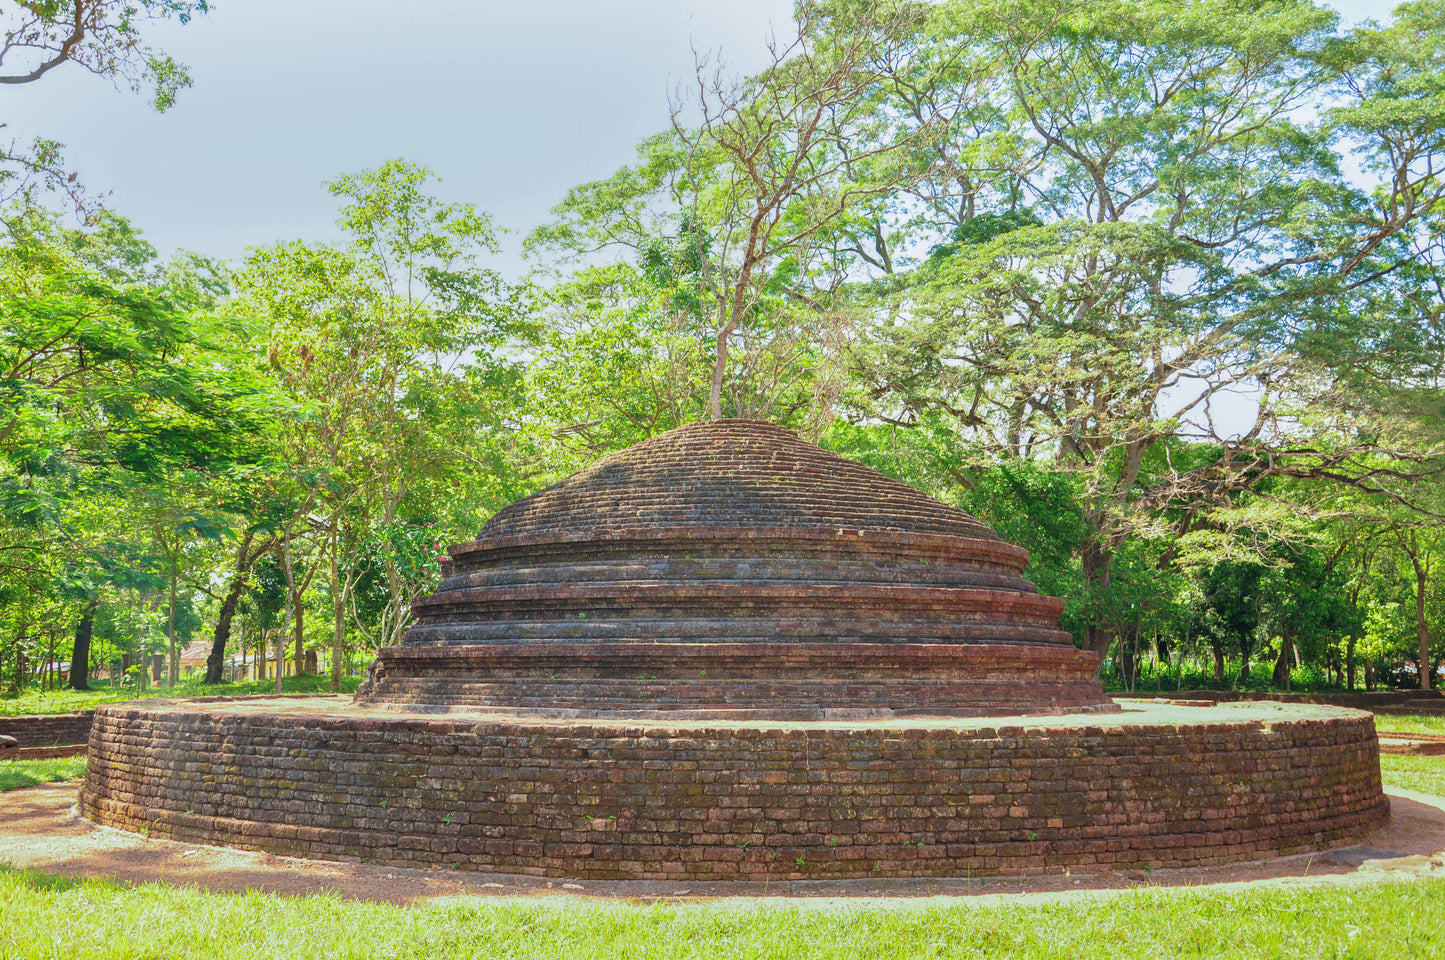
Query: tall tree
115	395
387	348
250	549
1143	221
727	225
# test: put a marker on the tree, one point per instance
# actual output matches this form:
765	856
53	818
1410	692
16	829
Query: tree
728	219
1420	544
1141	221
104	37
1308	607
101	36
387	349
248	551
121	404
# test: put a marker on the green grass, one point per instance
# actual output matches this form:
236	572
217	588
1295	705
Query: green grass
1426	774
64	701
15	774
50	917
1410	722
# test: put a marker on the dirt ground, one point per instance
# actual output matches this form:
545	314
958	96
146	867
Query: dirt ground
39	830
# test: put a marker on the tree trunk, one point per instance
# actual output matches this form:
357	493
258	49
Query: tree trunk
297	614
1218	660
17	682
281	647
216	662
338	607
285	611
1098	570
1284	663
297	621
1350	662
80	653
171	625
1420	574
1126	658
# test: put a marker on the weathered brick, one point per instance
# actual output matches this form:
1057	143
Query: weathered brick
151	767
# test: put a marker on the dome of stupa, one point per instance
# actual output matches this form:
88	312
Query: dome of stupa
732	569
728	473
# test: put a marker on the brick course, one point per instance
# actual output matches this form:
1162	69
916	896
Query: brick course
606	800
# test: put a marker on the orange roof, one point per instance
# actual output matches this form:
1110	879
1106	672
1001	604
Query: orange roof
195	653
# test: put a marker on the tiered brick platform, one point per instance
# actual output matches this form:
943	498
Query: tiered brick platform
727	654
731	570
1157	786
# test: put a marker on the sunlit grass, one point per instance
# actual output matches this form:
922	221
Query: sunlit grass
63	701
1410	723
1426	774
48	917
15	774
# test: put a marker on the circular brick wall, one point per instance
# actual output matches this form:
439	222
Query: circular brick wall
1158	785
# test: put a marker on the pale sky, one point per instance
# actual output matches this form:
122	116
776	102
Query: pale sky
511	102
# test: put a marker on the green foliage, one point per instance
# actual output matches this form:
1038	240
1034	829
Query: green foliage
1129	216
103	38
125	414
395	354
1016	255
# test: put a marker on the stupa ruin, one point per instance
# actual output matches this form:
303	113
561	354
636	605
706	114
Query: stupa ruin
725	653
733	570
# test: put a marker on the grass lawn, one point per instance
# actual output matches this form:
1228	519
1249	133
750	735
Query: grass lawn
63	701
1410	723
1426	774
49	917
15	774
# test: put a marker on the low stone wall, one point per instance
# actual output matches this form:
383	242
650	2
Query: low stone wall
1374	700
598	800
48	730
47	753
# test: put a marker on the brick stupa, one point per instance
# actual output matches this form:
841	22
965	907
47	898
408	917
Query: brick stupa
725	654
732	570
